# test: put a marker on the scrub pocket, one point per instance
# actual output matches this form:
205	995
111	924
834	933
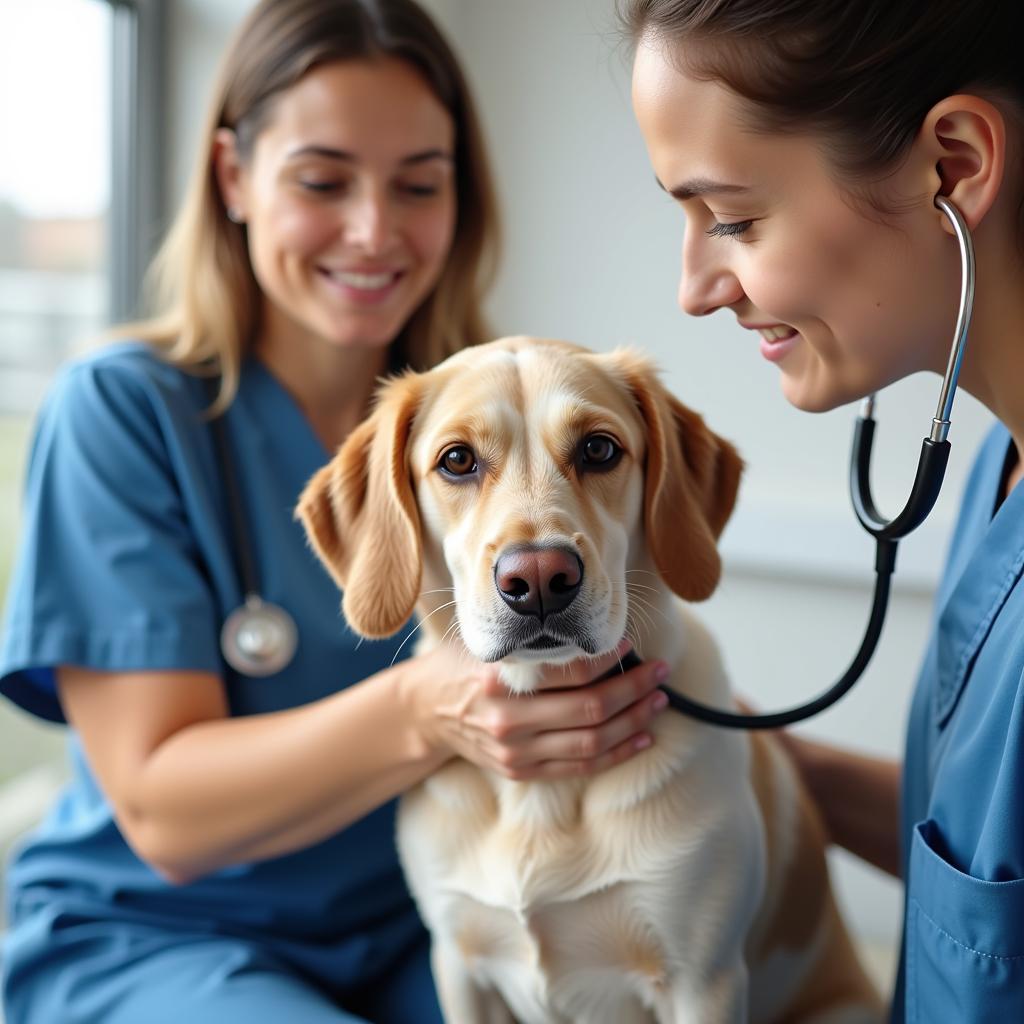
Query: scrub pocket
965	941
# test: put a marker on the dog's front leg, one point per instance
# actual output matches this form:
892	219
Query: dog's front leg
717	998
462	1000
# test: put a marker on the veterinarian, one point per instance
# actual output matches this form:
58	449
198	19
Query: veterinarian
225	851
806	142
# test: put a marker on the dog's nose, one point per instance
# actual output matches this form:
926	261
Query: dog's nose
538	581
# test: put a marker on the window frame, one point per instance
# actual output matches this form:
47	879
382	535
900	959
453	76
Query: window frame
138	177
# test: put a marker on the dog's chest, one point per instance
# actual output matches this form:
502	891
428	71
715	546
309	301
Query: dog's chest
596	959
562	913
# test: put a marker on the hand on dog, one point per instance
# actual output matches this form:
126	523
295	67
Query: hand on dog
573	726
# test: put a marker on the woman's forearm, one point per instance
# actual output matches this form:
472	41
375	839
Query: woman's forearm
233	790
858	797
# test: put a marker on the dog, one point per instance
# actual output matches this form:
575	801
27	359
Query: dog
568	500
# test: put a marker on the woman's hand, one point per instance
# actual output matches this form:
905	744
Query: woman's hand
573	725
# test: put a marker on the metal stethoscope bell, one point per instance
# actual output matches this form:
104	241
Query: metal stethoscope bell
259	638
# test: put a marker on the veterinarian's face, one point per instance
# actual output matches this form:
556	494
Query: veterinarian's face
525	448
842	303
349	201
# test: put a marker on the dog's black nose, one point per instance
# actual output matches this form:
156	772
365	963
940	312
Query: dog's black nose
537	580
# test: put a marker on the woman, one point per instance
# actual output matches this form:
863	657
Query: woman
806	141
224	851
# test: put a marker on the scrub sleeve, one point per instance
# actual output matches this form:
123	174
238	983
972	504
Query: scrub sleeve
125	564
963	793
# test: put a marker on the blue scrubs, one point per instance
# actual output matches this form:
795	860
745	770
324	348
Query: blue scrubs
963	791
125	564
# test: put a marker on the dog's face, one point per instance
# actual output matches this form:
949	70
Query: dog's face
518	486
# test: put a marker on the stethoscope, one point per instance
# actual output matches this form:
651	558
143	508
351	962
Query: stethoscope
258	638
931	468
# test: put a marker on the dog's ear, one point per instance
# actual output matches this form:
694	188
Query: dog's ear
361	518
691	478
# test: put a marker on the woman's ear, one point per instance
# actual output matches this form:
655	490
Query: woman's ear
361	517
965	136
230	174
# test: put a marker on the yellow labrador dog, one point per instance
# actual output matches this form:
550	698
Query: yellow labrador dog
688	884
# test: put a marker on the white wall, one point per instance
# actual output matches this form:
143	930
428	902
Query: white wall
593	256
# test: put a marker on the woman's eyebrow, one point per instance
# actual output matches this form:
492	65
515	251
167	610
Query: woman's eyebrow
702	187
343	154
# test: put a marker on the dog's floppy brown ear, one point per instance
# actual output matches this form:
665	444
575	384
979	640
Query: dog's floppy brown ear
361	518
691	478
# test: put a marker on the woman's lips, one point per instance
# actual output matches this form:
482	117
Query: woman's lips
778	342
364	287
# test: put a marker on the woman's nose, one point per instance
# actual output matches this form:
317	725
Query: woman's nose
369	221
707	283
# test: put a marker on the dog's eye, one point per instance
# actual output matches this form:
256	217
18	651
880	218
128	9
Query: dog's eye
458	461
599	451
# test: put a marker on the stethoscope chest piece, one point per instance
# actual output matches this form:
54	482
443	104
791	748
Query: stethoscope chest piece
259	638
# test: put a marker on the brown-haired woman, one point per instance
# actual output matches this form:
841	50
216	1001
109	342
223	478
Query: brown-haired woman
224	851
807	141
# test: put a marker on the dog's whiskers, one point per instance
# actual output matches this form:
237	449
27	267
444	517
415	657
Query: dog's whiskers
439	608
636	616
455	627
640	602
633	630
641	586
643	608
647	572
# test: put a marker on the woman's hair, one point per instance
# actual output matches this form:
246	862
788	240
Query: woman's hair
861	73
208	300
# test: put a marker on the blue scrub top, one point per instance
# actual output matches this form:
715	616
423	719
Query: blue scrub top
125	564
963	789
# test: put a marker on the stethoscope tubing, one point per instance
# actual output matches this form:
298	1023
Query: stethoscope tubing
258	638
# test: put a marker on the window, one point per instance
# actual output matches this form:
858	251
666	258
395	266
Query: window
79	193
54	202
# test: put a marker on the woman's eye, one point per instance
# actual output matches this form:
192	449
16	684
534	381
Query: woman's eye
599	451
721	230
419	191
458	461
322	187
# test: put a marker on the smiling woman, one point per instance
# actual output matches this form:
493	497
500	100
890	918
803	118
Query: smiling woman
348	200
789	251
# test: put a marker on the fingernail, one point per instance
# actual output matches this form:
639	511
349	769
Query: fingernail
661	671
642	742
660	701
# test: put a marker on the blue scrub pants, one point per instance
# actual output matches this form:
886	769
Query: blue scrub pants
138	977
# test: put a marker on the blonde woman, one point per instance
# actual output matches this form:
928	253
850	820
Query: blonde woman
224	851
